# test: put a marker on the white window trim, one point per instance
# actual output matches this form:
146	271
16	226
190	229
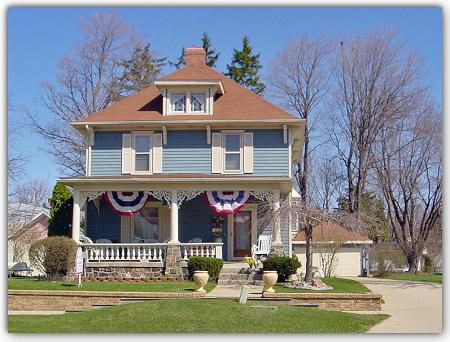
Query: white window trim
204	104
160	226
134	134
241	152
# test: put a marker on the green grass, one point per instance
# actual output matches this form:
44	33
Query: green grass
197	316
166	286
428	277
339	286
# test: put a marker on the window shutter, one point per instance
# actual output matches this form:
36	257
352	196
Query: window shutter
126	153
248	152
216	153
157	153
125	227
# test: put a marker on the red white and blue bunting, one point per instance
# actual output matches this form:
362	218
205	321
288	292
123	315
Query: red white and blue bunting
126	203
227	202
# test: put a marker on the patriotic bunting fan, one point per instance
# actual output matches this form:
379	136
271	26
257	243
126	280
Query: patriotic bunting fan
227	202
126	203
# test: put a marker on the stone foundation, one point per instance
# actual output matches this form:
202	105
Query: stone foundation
29	300
125	269
333	301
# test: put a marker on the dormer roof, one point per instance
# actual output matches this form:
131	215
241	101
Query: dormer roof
233	102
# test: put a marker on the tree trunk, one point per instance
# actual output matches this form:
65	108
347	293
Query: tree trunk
412	262
309	256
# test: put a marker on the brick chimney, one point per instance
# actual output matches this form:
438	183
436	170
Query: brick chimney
194	56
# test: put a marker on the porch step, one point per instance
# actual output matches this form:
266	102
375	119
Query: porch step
237	275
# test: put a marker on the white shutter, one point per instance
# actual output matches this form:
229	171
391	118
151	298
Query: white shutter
165	234
248	152
157	153
125	227
216	153
126	153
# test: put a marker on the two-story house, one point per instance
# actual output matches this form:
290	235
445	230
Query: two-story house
163	164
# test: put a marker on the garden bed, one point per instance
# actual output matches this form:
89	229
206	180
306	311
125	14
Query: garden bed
339	285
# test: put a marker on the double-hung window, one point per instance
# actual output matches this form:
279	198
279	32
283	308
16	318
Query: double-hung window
198	102
179	103
147	225
142	143
232	152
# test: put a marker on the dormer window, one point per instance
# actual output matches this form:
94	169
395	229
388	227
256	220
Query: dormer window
198	102
179	103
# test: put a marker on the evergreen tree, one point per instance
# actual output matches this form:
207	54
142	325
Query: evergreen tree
372	213
211	54
61	202
180	61
245	67
139	72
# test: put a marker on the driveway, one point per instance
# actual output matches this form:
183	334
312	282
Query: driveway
414	307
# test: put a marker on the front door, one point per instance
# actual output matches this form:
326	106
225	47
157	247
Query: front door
242	233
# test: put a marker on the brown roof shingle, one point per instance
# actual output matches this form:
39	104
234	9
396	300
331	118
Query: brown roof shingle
331	231
238	103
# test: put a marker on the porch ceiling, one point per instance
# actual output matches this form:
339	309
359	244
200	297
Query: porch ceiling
178	182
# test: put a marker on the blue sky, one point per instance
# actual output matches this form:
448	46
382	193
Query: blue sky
39	37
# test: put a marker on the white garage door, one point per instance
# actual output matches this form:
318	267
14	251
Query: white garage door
348	260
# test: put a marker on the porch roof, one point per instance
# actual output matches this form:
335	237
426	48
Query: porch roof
179	181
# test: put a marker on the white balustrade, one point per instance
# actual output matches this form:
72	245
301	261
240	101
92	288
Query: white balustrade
147	251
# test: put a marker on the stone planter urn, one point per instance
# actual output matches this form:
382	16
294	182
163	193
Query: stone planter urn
200	279
270	279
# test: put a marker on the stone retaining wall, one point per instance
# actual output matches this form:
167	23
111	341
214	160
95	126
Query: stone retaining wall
31	300
333	301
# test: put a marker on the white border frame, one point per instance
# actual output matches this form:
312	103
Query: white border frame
253	207
241	152
134	134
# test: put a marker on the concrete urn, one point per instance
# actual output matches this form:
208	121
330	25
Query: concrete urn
200	280
270	279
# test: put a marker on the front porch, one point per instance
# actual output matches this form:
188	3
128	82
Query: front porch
172	226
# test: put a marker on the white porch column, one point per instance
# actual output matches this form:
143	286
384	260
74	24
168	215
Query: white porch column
76	216
277	244
174	218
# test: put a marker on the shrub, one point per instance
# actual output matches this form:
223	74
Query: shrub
55	256
285	266
212	265
60	223
428	263
385	257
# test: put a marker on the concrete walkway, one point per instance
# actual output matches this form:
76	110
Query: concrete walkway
233	291
414	307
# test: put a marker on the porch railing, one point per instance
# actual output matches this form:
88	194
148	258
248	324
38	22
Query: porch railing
147	251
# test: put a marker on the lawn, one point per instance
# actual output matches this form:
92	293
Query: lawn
197	316
428	277
166	286
339	286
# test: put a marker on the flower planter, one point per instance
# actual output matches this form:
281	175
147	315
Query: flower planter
200	279
270	279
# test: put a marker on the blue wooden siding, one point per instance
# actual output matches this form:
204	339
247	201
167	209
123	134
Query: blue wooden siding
106	154
195	221
270	154
103	224
188	152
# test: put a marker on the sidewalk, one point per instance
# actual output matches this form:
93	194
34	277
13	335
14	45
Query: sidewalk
233	291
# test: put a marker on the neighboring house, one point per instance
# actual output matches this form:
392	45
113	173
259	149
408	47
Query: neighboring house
163	163
27	224
330	239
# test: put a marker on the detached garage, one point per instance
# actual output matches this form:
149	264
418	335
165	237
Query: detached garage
335	249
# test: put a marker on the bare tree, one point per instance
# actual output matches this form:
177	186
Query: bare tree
325	182
375	83
16	160
410	175
298	79
86	83
35	191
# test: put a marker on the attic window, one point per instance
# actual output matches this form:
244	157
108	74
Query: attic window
179	103
198	101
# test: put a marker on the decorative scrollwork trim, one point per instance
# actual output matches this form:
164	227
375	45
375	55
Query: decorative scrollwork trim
187	195
162	195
